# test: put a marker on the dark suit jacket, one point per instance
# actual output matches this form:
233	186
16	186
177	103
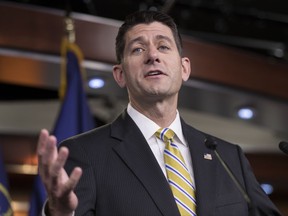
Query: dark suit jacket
121	176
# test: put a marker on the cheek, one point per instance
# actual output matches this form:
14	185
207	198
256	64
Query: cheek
132	71
178	74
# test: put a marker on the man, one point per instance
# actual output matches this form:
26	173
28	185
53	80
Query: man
119	169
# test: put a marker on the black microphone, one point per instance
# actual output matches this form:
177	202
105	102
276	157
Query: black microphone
284	147
211	143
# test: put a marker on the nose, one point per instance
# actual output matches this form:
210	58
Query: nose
152	56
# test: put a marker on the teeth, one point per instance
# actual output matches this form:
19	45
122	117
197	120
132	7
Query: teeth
154	73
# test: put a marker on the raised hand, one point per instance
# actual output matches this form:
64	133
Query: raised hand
61	198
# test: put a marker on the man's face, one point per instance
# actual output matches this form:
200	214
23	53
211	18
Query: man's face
151	67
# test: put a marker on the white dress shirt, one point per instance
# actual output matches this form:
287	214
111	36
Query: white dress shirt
148	129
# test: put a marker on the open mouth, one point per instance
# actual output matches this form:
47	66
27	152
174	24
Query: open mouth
154	73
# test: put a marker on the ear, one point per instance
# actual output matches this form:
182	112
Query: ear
119	75
186	68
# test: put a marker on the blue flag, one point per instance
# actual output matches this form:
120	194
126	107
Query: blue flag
5	200
74	116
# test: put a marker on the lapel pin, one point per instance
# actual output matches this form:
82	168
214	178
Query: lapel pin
207	156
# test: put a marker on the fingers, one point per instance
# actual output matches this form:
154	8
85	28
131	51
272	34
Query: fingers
57	167
73	180
44	134
47	152
51	163
51	151
46	146
57	172
63	198
75	177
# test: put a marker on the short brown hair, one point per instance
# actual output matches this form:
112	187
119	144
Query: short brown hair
145	17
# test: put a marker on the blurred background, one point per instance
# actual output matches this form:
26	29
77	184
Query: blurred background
238	89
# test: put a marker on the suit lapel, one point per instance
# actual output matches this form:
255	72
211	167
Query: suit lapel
136	153
205	169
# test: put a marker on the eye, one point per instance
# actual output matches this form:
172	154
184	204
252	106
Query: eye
163	48
137	50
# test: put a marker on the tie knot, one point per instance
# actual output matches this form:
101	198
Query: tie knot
165	134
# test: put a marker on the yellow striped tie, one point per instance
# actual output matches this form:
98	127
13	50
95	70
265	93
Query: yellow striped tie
177	173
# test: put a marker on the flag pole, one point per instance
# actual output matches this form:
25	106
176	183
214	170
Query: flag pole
70	29
68	43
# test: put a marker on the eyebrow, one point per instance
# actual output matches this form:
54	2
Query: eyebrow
141	38
138	39
159	37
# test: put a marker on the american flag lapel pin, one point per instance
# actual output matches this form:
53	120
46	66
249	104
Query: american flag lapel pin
207	156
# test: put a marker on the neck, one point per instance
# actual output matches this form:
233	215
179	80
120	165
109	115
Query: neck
162	113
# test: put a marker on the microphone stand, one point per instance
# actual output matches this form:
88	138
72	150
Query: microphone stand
212	144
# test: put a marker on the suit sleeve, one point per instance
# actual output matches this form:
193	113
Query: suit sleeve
260	201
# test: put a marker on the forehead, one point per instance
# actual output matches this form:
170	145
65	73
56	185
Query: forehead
149	30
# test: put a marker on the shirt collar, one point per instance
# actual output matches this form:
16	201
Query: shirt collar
148	127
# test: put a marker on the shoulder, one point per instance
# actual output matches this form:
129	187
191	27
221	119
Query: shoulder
88	138
105	135
222	145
